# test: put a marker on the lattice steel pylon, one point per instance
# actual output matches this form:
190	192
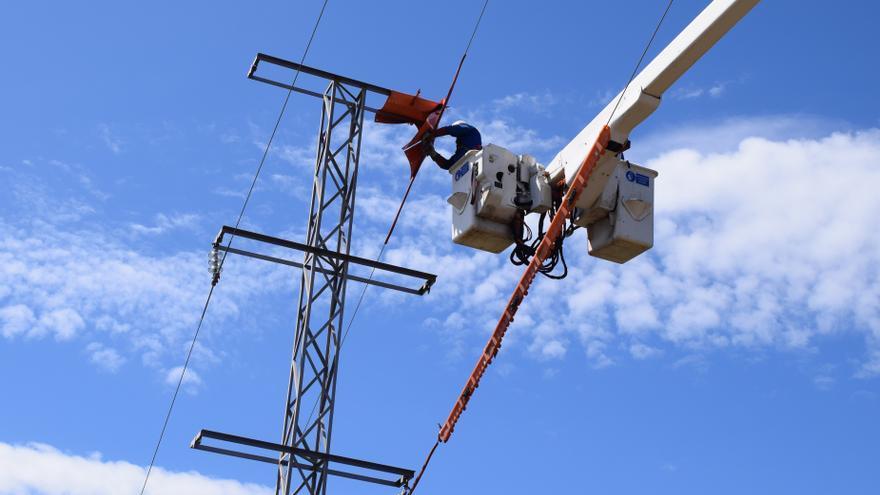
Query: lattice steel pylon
311	394
303	458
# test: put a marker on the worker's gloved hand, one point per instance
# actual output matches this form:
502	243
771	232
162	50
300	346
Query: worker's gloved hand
428	144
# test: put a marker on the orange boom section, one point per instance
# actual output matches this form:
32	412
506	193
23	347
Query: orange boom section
522	289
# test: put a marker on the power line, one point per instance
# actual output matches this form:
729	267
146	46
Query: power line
226	251
641	59
632	76
385	244
444	105
476	26
357	306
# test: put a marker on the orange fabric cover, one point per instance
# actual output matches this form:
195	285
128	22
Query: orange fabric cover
401	108
413	150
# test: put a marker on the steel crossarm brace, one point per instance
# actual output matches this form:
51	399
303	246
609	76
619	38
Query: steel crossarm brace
354	278
404	475
427	278
305	69
557	226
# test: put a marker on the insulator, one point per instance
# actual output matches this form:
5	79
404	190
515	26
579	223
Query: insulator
214	264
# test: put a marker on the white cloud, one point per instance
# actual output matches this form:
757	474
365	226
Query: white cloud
16	319
823	382
381	148
725	136
715	90
642	351
534	102
229	192
62	322
113	142
687	93
30	197
502	131
164	223
86	284
229	137
302	158
761	243
104	357
553	349
602	98
191	380
871	366
767	245
39	469
696	361
515	138
295	185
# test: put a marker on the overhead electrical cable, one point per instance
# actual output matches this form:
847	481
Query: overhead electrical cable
641	59
218	268
394	222
443	107
463	56
495	340
357	306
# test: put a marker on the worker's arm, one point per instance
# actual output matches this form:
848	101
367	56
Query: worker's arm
456	131
443	131
443	163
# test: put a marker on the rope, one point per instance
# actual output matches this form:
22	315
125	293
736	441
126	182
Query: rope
561	236
424	467
226	252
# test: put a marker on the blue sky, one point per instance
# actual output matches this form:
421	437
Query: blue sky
741	354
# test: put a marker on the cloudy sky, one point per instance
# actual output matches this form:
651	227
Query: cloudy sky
740	355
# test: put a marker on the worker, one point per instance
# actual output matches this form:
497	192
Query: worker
467	138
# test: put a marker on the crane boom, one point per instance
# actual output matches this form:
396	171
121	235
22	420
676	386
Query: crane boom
554	233
618	213
642	96
586	165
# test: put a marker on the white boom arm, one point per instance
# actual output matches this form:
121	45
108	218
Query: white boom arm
643	94
492	186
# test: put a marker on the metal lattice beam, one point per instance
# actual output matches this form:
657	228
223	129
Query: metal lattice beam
308	415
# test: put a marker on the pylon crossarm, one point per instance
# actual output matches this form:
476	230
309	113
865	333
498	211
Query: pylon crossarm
403	475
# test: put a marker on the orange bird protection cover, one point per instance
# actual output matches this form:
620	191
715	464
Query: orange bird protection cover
402	108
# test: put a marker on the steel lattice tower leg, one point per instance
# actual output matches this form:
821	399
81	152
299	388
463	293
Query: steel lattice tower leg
308	415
